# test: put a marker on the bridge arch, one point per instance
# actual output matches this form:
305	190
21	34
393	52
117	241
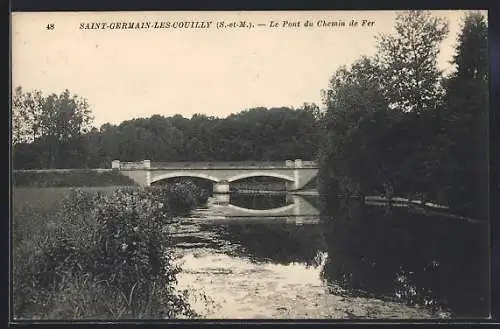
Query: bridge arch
261	174
272	211
183	174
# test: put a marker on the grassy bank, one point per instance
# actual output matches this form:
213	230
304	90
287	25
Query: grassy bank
77	178
96	253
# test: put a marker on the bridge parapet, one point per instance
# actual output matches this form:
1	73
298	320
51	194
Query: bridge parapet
234	164
214	164
147	164
309	164
117	164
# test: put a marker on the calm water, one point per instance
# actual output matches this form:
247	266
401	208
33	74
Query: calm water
275	256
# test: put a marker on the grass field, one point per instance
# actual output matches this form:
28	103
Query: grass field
77	178
34	211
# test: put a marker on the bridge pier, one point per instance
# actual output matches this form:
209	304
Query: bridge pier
296	174
221	187
147	165
221	199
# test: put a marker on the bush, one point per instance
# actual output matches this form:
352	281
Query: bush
181	197
108	258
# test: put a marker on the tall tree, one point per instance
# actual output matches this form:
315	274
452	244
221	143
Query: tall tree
408	60
382	112
54	122
27	111
356	118
64	118
471	52
467	107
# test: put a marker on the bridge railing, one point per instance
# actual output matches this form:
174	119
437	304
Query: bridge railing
214	164
116	164
309	163
218	164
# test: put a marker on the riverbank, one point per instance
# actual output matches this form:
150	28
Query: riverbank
418	206
421	207
95	253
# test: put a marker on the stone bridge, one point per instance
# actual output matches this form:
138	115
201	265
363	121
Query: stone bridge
296	173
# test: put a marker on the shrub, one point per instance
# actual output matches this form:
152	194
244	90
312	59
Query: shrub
113	245
181	197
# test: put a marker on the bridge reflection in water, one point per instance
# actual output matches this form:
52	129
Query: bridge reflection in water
254	255
260	207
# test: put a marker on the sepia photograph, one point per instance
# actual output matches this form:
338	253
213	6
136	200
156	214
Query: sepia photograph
250	165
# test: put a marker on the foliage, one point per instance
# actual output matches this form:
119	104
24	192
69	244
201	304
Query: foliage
113	244
183	196
256	134
466	118
356	114
395	125
54	123
408	60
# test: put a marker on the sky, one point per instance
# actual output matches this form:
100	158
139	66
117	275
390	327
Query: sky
130	73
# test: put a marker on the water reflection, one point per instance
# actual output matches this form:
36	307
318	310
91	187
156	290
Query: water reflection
416	259
255	261
261	228
267	207
260	202
278	243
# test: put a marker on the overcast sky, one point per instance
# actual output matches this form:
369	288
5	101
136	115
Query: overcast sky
137	73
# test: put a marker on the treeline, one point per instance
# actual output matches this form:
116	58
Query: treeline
395	125
259	134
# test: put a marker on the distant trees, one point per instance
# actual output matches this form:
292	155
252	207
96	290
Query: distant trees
395	125
259	134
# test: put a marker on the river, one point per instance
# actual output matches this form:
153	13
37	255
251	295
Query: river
277	257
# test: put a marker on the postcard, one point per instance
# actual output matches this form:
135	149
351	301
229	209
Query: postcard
250	165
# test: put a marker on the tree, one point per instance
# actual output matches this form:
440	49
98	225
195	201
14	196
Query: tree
54	123
196	149
467	112
408	60
471	52
91	145
383	112
64	118
26	115
109	140
356	118
259	134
